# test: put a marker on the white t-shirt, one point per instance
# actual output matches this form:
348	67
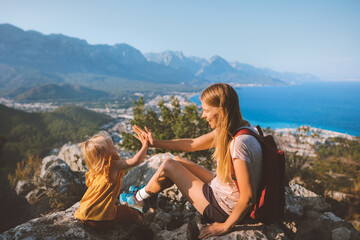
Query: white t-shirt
245	148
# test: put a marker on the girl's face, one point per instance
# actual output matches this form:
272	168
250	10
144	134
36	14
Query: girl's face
211	114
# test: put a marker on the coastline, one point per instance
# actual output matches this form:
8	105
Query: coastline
185	98
330	106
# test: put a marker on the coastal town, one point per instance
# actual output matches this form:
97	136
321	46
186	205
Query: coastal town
300	140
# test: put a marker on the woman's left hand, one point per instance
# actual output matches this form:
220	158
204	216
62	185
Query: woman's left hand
214	229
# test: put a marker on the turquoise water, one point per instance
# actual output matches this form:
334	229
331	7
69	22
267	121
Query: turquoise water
331	106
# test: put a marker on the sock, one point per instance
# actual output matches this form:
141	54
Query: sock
141	194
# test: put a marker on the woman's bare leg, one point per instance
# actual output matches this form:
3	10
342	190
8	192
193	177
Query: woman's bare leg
202	173
189	184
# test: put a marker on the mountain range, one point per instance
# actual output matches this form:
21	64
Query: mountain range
29	59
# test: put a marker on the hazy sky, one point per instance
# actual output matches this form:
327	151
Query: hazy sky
318	37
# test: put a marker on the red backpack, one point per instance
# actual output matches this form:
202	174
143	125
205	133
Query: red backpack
270	201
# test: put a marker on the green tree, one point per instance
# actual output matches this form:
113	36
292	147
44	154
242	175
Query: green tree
171	123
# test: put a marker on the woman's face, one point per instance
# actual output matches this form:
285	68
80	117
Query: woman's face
211	114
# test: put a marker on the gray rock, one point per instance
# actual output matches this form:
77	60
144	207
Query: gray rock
293	206
56	174
334	227
23	187
71	154
338	196
253	231
141	174
309	199
34	195
182	233
63	225
341	234
326	225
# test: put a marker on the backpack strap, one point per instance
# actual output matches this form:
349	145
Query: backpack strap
260	131
248	132
252	133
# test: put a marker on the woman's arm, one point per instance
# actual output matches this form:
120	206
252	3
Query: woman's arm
242	206
188	145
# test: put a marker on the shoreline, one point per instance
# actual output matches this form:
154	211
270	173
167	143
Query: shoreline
323	134
184	99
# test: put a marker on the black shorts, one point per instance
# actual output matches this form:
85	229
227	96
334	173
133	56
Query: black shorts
213	212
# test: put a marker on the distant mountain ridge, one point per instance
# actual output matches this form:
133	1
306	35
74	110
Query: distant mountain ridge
217	68
29	59
61	54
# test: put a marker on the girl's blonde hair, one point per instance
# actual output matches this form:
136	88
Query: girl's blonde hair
96	152
223	96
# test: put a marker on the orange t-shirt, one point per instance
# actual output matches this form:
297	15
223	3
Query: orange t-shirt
98	202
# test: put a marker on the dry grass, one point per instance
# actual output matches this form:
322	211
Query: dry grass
60	202
27	169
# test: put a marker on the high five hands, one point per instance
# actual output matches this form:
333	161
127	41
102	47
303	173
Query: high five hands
146	134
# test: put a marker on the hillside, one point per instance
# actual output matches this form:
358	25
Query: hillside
60	92
14	77
37	133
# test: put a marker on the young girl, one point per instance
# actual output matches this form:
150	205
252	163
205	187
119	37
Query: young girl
106	171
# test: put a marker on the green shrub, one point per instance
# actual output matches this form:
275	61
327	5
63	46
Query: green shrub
171	123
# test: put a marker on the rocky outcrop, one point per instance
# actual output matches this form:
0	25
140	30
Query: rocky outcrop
63	225
55	175
71	154
307	215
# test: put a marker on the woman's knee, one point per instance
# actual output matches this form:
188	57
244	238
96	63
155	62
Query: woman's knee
181	160
169	165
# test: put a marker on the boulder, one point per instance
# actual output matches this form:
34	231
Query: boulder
63	225
309	200
34	195
23	187
71	154
141	174
57	175
336	228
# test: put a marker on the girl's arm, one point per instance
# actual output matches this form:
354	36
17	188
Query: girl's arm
136	160
139	156
187	145
242	206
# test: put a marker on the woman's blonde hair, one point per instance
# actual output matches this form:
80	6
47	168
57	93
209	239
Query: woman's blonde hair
96	152
223	96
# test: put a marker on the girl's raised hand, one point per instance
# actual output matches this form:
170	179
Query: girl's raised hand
141	135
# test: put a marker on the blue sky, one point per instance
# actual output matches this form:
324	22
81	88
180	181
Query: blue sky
318	37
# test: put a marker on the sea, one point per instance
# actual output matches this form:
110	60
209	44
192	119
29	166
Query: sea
333	106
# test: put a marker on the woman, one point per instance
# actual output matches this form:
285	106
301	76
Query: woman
215	196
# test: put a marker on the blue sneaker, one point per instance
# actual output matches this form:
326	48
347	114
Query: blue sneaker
134	188
130	200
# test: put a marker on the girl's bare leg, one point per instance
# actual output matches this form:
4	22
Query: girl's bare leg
188	183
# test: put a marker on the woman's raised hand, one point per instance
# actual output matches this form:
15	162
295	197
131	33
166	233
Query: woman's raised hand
149	135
